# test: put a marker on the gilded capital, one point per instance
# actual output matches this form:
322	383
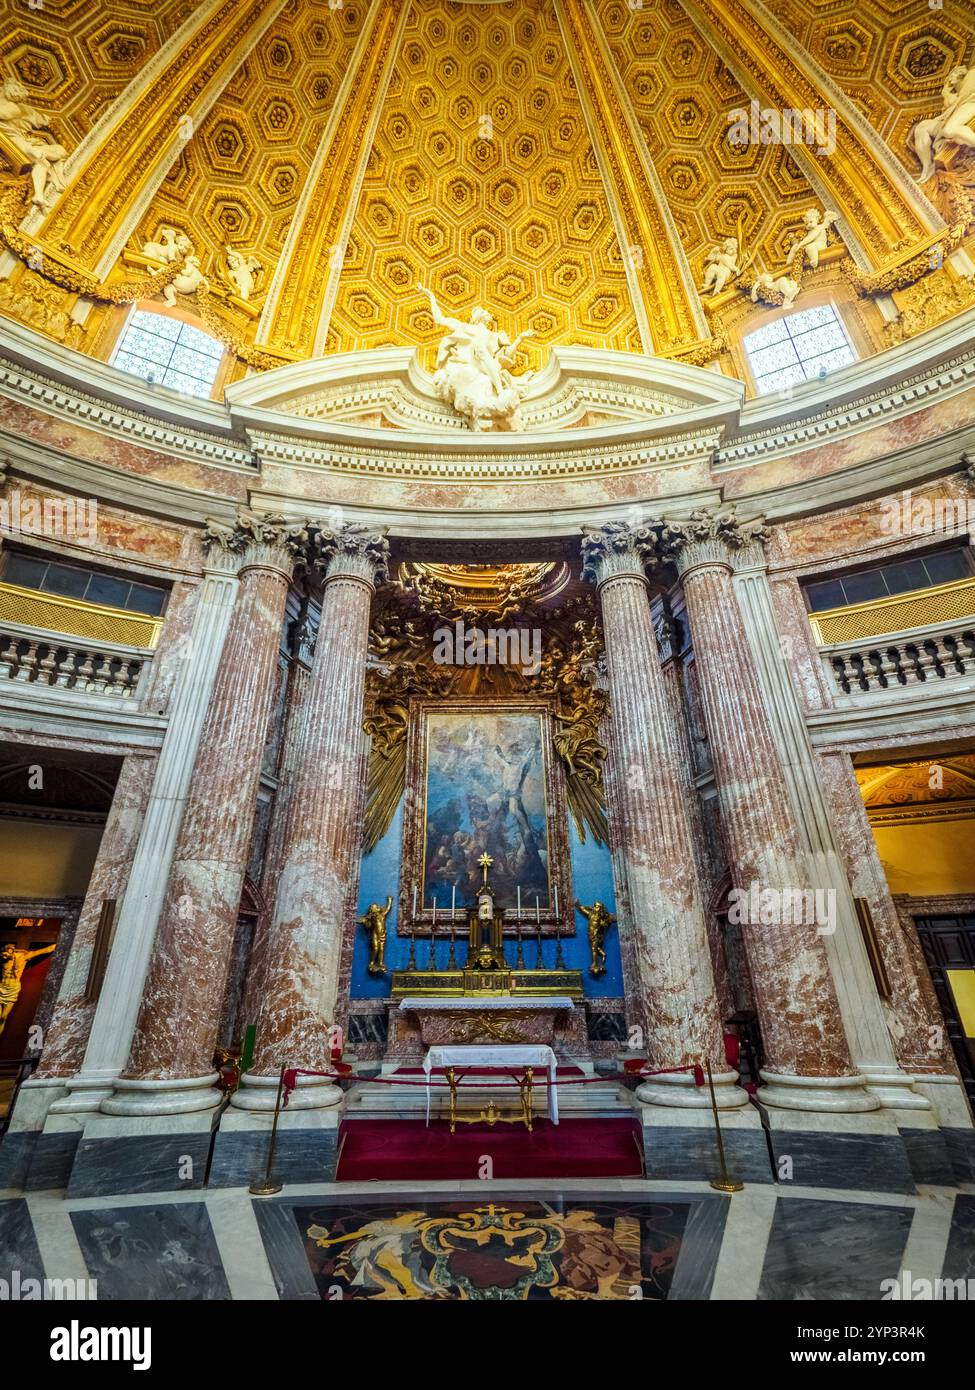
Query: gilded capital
617	549
710	538
353	552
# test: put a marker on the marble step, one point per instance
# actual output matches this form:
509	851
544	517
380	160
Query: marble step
602	1098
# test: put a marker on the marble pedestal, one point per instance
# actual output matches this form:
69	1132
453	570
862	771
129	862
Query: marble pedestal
306	1149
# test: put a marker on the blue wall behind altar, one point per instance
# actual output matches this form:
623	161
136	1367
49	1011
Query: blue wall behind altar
592	877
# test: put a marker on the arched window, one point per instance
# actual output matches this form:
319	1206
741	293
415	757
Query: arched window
798	348
168	352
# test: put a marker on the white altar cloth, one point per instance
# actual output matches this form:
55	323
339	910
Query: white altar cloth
481	1056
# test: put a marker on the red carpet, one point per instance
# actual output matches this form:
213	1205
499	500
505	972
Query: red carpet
400	1150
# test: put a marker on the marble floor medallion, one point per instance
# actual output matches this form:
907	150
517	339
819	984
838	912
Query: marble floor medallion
472	1250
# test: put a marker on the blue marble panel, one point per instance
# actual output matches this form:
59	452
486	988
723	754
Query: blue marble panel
673	1153
301	1155
16	1152
18	1244
832	1250
960	1254
850	1162
928	1155
152	1252
139	1163
961	1147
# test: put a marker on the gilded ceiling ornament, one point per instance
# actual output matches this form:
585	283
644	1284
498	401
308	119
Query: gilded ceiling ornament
472	370
24	128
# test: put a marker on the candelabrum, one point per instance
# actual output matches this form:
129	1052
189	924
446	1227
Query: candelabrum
411	963
559	958
452	957
539	962
520	957
432	958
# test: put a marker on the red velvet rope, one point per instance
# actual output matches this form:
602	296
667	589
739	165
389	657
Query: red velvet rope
290	1078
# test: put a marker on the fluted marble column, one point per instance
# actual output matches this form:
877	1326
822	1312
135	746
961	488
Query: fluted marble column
808	1064
170	1067
322	849
657	843
119	1002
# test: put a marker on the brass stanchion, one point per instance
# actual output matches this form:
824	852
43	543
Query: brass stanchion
268	1187
724	1183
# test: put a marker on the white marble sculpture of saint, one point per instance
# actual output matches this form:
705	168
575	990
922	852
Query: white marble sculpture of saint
24	128
472	369
952	127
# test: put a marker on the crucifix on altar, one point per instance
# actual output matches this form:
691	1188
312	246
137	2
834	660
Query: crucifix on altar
485	926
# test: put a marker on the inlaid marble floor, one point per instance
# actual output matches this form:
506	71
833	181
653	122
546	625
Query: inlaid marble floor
621	1238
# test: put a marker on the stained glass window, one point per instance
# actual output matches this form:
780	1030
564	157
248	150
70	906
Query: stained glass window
798	348
169	353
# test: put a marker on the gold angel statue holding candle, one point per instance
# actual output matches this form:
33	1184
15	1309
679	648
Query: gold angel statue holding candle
374	921
599	918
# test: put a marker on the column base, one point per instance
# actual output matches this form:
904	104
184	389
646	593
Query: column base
85	1093
894	1088
306	1147
176	1096
679	1091
830	1094
261	1093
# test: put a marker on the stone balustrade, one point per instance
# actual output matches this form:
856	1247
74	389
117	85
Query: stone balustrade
65	663
920	656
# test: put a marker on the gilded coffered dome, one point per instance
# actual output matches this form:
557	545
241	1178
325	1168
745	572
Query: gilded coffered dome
646	176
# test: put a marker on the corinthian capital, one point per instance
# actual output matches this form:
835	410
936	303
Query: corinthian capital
710	538
617	548
353	552
256	538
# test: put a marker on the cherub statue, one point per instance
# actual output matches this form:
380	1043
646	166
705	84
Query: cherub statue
472	369
13	962
721	266
188	281
952	127
171	247
815	238
599	918
765	285
374	921
242	272
22	125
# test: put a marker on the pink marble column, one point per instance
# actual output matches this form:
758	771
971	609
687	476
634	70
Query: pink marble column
170	1065
808	1065
322	847
656	840
67	1034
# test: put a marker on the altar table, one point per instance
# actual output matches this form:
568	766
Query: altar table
474	1057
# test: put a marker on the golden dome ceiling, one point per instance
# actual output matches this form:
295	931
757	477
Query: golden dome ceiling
564	162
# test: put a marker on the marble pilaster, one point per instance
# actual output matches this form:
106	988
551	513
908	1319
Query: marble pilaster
808	1064
676	980
118	1006
321	853
179	1020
